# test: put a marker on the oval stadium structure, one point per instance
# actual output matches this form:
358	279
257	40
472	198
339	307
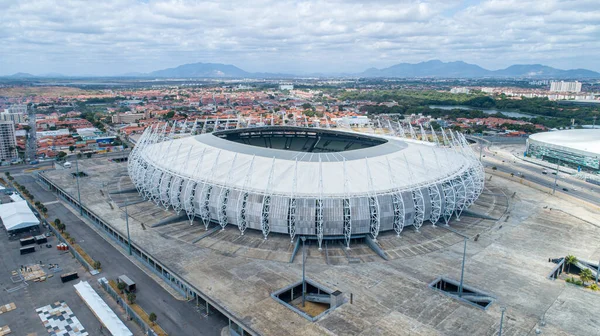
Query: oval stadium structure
579	149
309	181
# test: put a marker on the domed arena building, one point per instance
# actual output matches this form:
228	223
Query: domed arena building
578	148
319	182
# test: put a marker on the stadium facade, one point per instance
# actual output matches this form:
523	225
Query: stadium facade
325	183
578	149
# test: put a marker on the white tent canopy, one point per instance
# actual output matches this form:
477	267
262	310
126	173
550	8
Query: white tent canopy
17	215
102	311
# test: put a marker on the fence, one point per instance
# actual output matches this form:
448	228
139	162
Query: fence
130	312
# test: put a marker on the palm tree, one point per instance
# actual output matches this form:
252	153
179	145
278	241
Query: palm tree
585	275
570	260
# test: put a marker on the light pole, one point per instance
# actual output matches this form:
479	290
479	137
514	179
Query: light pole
127	223
303	271
555	177
462	269
78	191
503	309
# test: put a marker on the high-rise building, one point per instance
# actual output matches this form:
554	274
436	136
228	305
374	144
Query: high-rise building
15	113
8	141
563	86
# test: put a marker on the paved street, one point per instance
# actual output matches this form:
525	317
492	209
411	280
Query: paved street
176	317
533	173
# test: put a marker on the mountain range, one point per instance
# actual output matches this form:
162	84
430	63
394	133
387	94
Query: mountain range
429	69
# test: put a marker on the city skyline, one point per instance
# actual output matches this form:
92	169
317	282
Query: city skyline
119	37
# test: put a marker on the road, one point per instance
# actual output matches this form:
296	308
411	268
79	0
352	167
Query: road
533	173
174	316
20	168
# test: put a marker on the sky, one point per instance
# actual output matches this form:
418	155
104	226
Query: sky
112	37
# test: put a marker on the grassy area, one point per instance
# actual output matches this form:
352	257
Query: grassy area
141	313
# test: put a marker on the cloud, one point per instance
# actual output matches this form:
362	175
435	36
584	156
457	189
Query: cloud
118	36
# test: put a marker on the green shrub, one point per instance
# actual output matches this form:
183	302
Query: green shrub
569	280
578	282
594	287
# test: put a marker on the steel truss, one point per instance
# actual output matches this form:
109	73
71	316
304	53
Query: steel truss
423	134
449	200
347	209
224	197
434	136
374	210
436	203
319	207
292	205
397	201
401	132
413	134
266	205
205	194
243	200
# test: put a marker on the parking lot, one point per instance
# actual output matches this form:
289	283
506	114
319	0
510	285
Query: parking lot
25	290
175	316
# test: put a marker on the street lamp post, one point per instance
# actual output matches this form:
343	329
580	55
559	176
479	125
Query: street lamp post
462	269
555	177
78	191
127	223
503	309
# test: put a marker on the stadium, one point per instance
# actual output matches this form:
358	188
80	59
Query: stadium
315	182
578	149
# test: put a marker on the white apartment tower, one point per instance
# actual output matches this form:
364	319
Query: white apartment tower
8	141
563	86
15	113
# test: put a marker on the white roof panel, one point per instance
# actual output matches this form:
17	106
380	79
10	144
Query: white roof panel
412	163
585	140
17	215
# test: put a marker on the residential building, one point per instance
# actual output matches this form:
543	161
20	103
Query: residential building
460	90
15	113
563	86
128	118
8	141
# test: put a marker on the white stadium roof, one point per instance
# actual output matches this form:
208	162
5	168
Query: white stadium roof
211	158
584	140
17	215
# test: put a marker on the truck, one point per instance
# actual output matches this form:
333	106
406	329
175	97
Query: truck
129	284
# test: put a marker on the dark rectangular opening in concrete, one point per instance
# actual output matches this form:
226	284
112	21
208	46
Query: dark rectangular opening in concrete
318	299
468	294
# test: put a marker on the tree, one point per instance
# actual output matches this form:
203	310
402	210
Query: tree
88	155
131	298
61	154
152	318
121	286
79	155
57	221
97	265
570	260
71	148
585	275
7	174
169	115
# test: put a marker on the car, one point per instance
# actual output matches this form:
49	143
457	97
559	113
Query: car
554	173
565	189
545	173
